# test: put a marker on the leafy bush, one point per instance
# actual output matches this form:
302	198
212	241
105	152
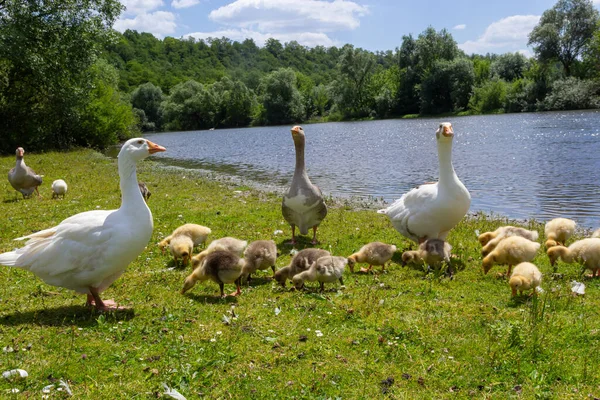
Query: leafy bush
573	94
489	98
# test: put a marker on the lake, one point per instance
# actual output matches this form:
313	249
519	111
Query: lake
530	165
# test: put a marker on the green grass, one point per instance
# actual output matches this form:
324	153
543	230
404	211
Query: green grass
401	334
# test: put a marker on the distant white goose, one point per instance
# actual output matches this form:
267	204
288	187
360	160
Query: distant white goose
430	211
303	204
89	251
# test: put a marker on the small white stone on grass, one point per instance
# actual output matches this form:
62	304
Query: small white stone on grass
173	393
15	373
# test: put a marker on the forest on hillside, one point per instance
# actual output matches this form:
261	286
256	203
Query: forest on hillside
69	79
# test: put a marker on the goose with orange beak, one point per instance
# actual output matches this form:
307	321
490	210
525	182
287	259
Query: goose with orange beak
89	251
431	210
303	205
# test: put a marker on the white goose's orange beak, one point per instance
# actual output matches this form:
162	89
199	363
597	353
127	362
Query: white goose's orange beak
154	148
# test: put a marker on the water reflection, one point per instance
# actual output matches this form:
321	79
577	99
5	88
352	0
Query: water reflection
538	165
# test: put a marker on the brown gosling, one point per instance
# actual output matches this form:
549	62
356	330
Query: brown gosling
558	231
221	267
228	243
326	269
512	250
197	233
260	254
144	191
432	251
525	276
299	263
504	232
584	251
374	253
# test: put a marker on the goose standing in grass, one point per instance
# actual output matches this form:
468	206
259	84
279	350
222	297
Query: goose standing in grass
303	205
22	178
431	210
512	250
525	276
299	263
584	251
325	269
374	253
558	231
59	188
89	251
220	266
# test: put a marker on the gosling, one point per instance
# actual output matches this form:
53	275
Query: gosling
432	252
299	263
59	188
221	267
375	253
525	276
512	250
259	255
228	243
558	231
144	191
181	246
197	233
584	251
326	269
504	232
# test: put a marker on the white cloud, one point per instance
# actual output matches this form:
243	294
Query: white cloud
184	3
290	15
134	7
309	39
507	34
460	27
159	23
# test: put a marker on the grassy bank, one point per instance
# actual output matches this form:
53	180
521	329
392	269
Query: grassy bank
401	334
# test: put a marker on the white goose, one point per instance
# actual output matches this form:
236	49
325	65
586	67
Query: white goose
89	251
431	210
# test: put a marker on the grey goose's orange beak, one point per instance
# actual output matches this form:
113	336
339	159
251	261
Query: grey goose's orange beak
296	130
447	131
154	148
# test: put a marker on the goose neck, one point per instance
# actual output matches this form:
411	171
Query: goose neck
447	174
131	197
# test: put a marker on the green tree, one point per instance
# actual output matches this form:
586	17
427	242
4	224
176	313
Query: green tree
190	106
281	100
564	31
148	98
49	49
235	101
509	66
356	66
448	86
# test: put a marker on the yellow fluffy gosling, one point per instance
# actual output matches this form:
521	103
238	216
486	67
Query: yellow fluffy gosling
299	263
584	251
558	231
374	253
326	269
181	246
221	267
525	276
432	251
260	254
512	251
504	232
197	233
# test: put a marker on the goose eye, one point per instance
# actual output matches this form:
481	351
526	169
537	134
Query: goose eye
140	142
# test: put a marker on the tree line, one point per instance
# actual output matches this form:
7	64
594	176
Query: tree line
66	78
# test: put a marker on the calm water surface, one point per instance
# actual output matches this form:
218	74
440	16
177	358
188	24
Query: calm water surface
538	165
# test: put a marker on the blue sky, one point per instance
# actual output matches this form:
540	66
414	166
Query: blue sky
478	26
